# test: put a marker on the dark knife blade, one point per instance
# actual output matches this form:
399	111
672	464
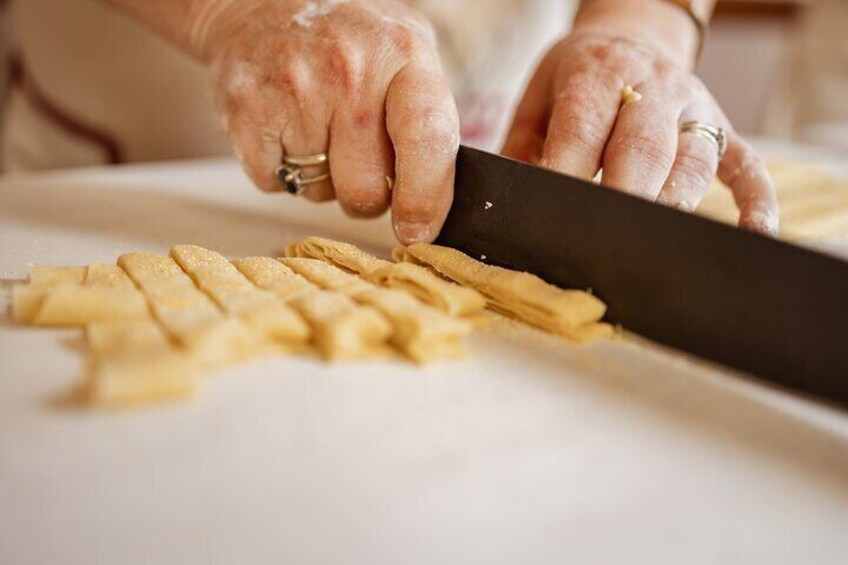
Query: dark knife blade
747	301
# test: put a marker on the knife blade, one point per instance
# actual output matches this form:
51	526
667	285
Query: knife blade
766	307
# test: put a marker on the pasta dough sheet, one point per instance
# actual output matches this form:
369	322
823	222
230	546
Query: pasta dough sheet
451	298
421	332
573	314
188	315
134	363
342	330
236	295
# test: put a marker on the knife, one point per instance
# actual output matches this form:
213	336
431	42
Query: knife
743	300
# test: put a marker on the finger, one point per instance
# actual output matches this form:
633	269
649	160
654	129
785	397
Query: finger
745	173
260	152
361	158
258	149
303	137
694	168
642	147
423	124
582	117
526	136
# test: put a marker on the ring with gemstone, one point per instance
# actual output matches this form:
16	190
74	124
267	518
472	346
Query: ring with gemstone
291	172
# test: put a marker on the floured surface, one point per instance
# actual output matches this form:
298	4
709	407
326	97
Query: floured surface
528	451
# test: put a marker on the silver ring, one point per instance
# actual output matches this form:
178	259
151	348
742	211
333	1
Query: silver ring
291	173
714	134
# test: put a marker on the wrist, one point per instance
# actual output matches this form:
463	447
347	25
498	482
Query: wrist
210	22
661	25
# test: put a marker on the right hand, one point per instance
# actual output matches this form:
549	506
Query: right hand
358	80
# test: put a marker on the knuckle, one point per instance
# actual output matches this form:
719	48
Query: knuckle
651	149
294	81
745	166
435	130
345	67
579	120
406	41
697	166
580	131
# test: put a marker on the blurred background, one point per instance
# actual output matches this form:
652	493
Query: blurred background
778	67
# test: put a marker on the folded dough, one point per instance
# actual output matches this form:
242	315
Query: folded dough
342	330
134	362
420	332
448	297
343	255
188	315
421	283
236	295
571	313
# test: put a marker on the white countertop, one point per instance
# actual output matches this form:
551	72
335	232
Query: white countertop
529	451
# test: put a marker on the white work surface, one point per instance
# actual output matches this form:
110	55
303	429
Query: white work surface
529	451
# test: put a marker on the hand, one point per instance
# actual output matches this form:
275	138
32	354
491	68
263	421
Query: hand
360	81
572	119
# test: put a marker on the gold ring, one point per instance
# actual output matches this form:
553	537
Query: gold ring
291	172
714	134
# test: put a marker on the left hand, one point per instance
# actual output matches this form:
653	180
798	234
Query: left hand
572	119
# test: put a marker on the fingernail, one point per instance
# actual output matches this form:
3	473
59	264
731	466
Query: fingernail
412	232
764	222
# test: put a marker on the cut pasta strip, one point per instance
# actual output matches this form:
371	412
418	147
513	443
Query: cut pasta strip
342	330
111	276
429	288
421	332
448	297
53	276
28	298
237	296
76	296
134	362
73	305
26	302
188	315
343	255
520	295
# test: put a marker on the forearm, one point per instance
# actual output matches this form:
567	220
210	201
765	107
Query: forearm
188	24
658	23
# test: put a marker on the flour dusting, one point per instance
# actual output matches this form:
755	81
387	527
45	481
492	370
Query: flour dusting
315	9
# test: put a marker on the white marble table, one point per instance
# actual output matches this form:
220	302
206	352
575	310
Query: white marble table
530	451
